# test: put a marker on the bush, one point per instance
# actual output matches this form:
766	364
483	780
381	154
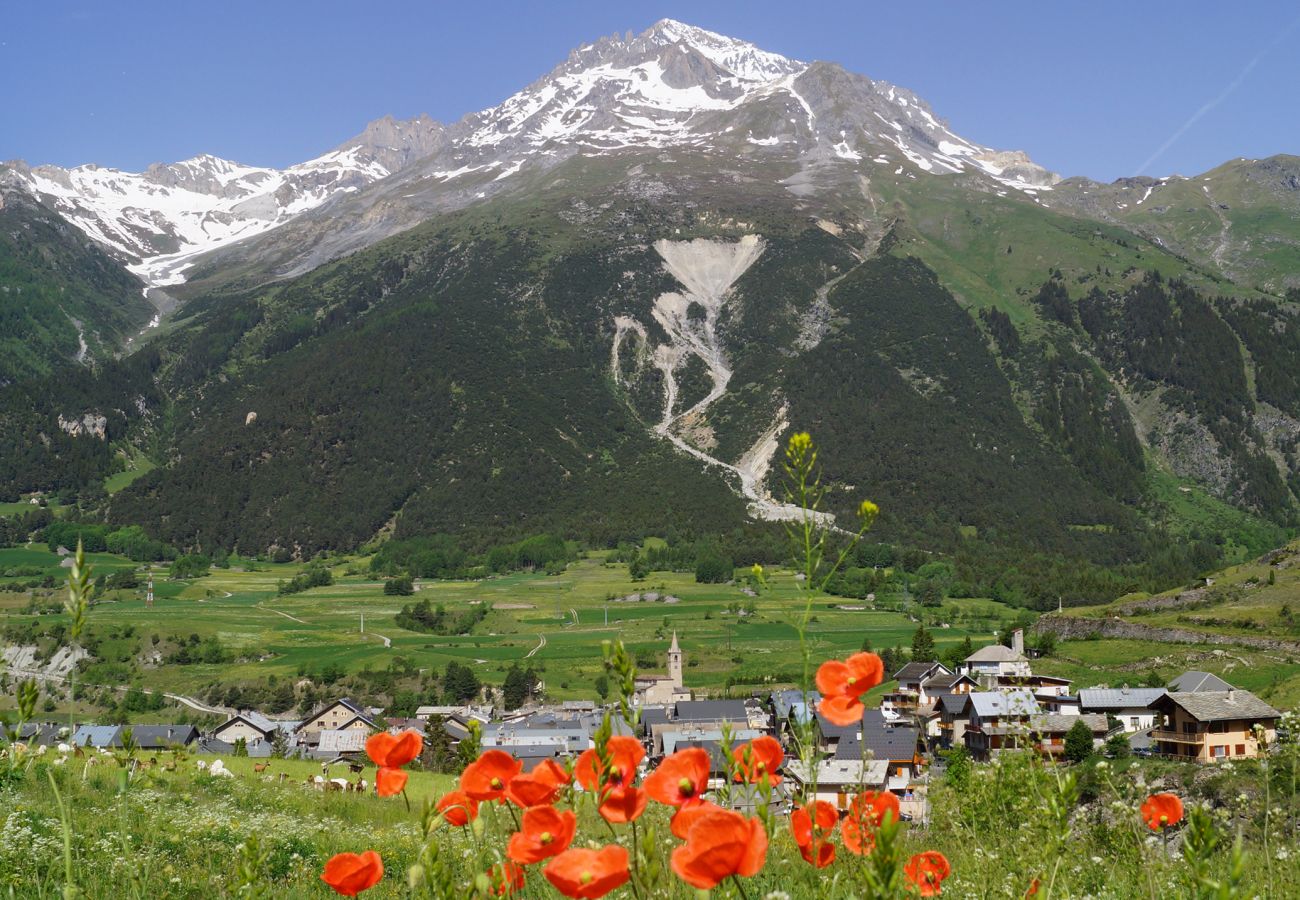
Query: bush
714	569
400	586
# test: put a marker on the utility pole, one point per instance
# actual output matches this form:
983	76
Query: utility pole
363	623
148	595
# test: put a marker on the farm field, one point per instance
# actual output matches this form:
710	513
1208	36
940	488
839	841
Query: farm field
555	623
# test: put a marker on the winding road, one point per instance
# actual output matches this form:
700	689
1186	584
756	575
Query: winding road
541	642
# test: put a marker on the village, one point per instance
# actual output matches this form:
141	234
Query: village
993	703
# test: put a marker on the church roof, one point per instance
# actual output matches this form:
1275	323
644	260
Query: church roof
675	648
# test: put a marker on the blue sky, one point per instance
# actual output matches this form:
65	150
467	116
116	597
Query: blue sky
1099	89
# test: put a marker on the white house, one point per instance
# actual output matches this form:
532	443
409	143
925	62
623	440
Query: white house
1130	705
995	660
840	780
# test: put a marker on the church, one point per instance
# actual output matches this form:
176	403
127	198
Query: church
657	690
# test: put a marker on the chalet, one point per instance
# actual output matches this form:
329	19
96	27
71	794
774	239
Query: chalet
1041	685
1131	707
253	727
996	660
96	736
897	745
338	715
840	780
35	734
1209	726
998	721
954	716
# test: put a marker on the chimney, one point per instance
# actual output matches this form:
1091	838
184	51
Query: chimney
1018	641
1231	694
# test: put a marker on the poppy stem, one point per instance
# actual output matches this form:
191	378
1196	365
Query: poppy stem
740	887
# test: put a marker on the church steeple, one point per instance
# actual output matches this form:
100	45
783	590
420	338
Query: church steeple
675	662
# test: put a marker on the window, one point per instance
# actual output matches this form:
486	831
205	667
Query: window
1218	728
1133	723
1219	751
1241	749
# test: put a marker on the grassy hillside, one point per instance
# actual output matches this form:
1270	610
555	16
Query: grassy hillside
60	290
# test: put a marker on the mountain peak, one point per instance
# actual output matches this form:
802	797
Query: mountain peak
740	58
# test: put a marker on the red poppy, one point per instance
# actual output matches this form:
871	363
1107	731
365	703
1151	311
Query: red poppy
1033	889
623	805
685	817
1161	811
624	755
868	812
842	685
505	878
351	873
390	781
927	871
394	750
458	808
487	777
718	845
588	873
811	826
544	833
538	787
680	778
760	757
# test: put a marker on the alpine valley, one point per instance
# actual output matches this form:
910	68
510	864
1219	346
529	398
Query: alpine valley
597	309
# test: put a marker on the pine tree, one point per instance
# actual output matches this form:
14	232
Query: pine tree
922	645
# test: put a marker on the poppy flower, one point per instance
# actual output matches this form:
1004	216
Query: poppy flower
390	781
811	826
718	845
685	817
1033	889
842	684
351	873
457	808
760	757
868	812
505	878
927	871
623	805
1161	811
545	832
487	777
538	787
394	750
588	873
680	778
624	753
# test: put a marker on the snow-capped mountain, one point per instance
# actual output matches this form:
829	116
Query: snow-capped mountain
160	219
673	85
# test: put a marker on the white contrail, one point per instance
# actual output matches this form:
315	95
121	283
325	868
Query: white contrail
1223	95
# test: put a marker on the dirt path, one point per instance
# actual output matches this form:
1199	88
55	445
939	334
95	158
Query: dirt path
122	689
541	642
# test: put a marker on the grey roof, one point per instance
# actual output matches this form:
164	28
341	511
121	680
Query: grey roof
953	704
914	671
148	737
654	715
995	653
348	740
1008	703
1198	681
1118	698
842	772
1215	706
879	743
95	735
711	711
939	683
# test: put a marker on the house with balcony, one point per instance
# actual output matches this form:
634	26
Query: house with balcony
1212	726
987	664
998	721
